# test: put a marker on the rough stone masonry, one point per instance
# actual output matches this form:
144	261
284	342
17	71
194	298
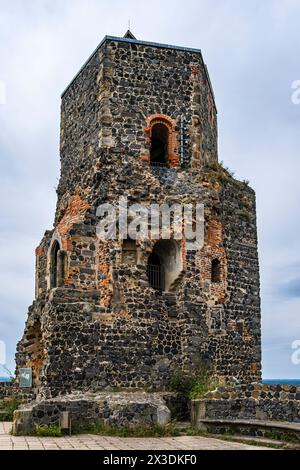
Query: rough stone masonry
139	120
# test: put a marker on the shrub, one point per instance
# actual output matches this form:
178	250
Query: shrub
7	409
182	383
200	389
193	383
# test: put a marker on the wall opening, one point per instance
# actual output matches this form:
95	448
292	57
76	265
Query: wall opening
57	265
54	264
129	252
215	270
34	349
159	145
162	136
164	265
155	272
240	327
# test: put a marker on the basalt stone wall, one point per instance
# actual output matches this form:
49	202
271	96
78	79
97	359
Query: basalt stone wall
138	337
80	127
9	390
105	326
105	109
86	351
148	81
257	391
41	265
252	401
241	313
5	389
123	333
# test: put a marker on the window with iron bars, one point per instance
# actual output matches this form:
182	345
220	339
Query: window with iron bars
156	276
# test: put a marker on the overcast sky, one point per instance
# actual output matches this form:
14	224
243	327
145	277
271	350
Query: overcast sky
252	51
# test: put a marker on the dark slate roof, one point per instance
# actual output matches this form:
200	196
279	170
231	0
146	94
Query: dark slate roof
129	35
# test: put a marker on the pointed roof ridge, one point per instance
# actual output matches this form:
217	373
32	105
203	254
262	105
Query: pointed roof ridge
129	35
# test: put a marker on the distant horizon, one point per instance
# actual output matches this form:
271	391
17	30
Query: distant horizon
285	378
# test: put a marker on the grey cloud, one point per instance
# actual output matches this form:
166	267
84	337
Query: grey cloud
290	289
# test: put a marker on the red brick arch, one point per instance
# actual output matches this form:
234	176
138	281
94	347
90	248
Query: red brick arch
173	142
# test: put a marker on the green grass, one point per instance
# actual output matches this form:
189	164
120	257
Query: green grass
48	431
199	389
7	408
139	431
282	436
107	430
217	173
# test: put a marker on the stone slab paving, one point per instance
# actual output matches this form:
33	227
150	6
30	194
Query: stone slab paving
93	442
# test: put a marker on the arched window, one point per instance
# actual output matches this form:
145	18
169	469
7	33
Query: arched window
57	265
215	270
54	264
162	135
159	145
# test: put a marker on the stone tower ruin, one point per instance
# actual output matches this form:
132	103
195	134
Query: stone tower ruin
139	120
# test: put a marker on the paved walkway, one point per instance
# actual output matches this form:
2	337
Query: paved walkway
93	442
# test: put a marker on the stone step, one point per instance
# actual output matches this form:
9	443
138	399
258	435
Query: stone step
262	441
251	427
182	425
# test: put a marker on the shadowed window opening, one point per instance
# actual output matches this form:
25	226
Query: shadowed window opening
54	264
215	271
159	145
240	327
155	272
57	266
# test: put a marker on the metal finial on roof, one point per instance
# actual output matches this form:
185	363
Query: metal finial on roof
129	35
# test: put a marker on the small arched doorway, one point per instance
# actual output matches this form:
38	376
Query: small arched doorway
165	265
155	271
159	145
